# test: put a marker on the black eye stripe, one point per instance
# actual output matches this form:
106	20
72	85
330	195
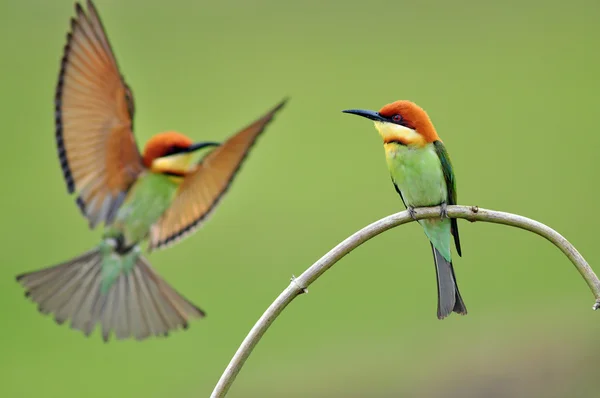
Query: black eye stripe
399	119
173	150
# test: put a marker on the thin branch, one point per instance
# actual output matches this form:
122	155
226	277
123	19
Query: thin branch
300	284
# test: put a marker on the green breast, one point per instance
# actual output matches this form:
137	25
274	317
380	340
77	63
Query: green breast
418	174
147	200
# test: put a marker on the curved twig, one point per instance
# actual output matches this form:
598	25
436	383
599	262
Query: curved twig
299	285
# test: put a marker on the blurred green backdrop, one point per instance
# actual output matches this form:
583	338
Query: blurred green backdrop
512	88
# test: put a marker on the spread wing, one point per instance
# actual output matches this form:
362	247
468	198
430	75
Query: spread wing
94	111
203	188
440	149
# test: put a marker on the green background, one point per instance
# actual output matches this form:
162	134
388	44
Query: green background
512	88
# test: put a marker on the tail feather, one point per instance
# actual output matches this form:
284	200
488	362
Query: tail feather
449	298
139	303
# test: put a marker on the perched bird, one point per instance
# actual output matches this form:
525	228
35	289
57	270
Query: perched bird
160	195
422	175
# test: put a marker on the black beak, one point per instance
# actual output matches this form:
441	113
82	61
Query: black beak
368	114
200	145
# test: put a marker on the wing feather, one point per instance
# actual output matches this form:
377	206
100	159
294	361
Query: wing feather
203	188
94	111
440	149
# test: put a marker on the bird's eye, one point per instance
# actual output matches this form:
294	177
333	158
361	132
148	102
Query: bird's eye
173	149
397	118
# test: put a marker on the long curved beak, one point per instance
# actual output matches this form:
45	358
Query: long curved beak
368	114
179	163
200	145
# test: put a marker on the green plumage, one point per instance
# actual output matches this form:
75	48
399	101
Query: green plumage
419	178
450	181
424	177
113	285
147	200
133	193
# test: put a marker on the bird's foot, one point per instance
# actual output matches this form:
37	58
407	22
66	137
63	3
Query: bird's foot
443	210
412	213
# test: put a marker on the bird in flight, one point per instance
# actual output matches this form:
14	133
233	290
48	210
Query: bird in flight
159	195
422	175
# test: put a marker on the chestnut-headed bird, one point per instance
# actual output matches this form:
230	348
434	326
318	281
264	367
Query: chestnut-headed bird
422	175
160	195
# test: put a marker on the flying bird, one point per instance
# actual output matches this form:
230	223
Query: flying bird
159	195
422	175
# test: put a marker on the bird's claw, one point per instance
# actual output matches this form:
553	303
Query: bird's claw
412	213
443	210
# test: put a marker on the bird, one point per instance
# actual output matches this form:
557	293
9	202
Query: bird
422	175
158	196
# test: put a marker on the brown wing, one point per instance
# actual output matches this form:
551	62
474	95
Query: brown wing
204	187
94	111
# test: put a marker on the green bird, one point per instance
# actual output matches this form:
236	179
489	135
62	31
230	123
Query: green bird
160	195
422	175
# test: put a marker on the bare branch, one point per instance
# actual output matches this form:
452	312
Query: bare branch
300	284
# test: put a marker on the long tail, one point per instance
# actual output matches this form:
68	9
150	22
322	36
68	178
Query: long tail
449	298
137	303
